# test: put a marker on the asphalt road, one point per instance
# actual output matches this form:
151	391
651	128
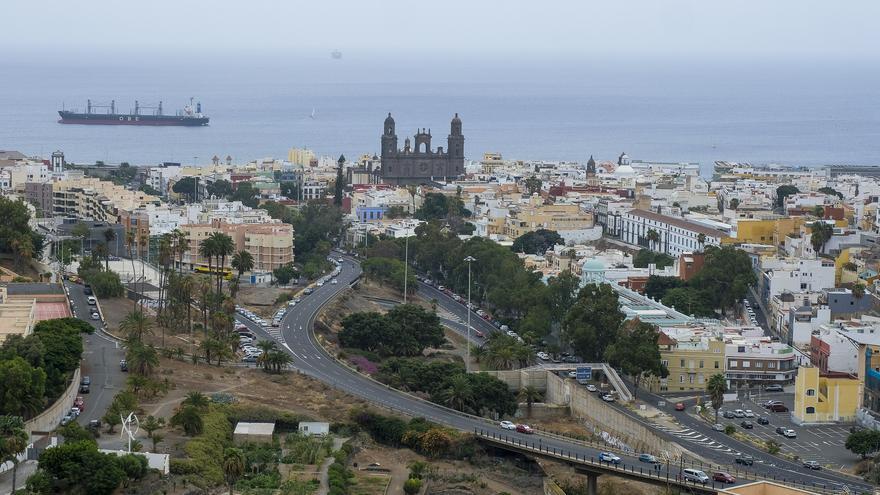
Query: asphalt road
311	359
100	360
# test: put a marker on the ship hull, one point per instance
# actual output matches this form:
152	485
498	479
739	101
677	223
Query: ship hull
117	119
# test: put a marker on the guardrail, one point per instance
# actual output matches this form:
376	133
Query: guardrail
657	475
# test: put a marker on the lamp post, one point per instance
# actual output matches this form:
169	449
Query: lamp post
405	267
467	363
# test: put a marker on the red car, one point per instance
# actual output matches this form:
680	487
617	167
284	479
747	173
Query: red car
679	406
723	477
524	429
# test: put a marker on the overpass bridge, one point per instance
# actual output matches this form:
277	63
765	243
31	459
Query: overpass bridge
666	475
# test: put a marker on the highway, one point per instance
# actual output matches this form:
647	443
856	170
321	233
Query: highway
311	359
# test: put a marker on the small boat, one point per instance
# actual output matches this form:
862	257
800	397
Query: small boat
312	116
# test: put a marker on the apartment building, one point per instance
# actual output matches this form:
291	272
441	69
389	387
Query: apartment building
691	355
758	362
535	215
674	235
95	199
270	244
778	275
831	350
825	397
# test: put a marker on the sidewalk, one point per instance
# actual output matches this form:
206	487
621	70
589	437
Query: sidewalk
25	470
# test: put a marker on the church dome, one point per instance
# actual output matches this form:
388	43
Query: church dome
389	119
624	171
455	120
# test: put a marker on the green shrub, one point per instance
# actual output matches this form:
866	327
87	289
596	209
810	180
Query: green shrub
412	486
203	450
183	466
729	429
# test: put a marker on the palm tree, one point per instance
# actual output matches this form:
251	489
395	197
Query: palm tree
135	325
266	346
701	240
242	261
202	286
223	247
130	239
850	266
858	291
109	236
233	466
181	247
188	418
197	400
716	387
142	359
734	203
136	383
529	395
151	425
14	441
459	394
653	237
207	248
101	251
279	359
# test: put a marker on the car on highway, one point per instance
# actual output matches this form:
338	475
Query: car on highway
812	465
789	433
650	459
507	425
773	388
609	457
778	408
744	459
718	427
572	374
763	421
695	476
524	428
608	398
591	388
679	406
544	356
723	477
747	425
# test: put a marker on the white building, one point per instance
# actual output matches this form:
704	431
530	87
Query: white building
676	235
795	275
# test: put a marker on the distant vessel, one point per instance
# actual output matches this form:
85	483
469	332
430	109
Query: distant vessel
312	116
190	116
336	54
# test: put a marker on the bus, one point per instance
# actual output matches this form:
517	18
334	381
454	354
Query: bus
227	272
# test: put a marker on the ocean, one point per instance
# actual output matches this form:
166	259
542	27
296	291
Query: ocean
806	113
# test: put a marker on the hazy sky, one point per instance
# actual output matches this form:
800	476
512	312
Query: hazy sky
515	29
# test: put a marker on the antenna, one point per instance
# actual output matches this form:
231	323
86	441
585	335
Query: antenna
130	426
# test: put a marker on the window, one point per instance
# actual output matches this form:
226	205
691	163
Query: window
664	362
716	365
682	363
811	410
701	363
733	363
811	392
771	365
746	364
759	364
691	379
681	379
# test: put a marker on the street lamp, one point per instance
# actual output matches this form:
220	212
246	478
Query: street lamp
467	363
405	267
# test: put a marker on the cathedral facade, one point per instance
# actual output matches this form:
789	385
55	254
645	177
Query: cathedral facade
417	162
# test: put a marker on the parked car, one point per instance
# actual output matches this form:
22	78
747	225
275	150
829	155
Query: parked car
75	411
789	433
780	430
679	406
812	465
609	457
778	408
763	421
739	413
123	365
66	419
747	425
745	460
773	388
92	301
695	476
650	459
507	425
523	428
749	413
96	316
79	402
728	414
94	424
769	403
543	355
87	290
718	427
723	477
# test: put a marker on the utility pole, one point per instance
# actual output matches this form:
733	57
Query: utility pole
469	260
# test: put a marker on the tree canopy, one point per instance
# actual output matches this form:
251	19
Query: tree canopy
537	242
592	323
635	351
783	192
406	330
645	257
438	206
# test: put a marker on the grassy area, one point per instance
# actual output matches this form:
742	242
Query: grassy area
369	483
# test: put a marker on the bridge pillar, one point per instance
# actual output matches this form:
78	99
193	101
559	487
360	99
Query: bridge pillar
592	482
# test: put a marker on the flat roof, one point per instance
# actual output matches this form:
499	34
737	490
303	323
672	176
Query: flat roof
265	429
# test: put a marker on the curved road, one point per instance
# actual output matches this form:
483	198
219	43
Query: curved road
311	358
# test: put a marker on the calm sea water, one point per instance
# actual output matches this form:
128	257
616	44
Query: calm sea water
805	113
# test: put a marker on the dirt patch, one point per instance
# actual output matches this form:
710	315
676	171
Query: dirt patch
262	300
114	310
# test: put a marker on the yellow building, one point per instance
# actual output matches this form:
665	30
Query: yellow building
490	162
691	358
300	156
770	231
825	397
270	244
94	199
536	215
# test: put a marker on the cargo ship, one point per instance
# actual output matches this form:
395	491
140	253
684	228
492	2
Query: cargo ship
190	116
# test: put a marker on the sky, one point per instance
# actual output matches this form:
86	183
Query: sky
415	31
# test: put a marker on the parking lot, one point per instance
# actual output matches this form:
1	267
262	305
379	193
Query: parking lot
822	443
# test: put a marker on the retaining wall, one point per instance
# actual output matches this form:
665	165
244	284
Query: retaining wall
49	419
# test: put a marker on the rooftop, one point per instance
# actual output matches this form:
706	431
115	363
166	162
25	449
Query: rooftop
678	222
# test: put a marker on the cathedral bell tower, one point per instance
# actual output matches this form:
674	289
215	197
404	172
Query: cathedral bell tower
455	141
389	138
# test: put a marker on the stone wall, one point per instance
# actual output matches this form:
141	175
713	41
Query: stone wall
49	419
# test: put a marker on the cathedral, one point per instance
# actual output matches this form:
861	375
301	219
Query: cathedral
417	163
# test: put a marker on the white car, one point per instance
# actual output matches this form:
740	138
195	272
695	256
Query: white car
749	413
572	374
507	425
609	457
591	388
543	355
608	398
334	281
718	427
96	316
790	433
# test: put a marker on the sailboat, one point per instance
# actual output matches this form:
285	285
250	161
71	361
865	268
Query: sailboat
312	116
